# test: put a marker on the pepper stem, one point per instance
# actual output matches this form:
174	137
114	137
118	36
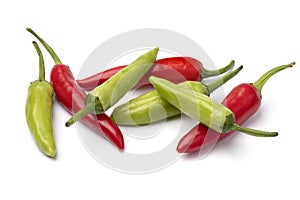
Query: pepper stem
253	132
265	77
41	62
205	73
81	113
47	47
217	83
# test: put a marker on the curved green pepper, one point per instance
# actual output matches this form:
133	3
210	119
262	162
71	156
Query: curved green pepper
39	110
203	108
150	107
107	94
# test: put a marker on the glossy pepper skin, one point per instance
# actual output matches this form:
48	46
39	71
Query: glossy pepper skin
39	111
104	96
244	100
174	69
203	108
150	107
72	97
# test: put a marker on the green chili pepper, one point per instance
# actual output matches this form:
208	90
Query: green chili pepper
104	96
39	110
150	107
203	108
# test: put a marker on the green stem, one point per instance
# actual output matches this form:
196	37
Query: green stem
253	132
81	113
205	73
47	47
41	62
217	83
265	77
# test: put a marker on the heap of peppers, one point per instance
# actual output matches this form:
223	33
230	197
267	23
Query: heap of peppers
72	98
178	88
150	107
244	100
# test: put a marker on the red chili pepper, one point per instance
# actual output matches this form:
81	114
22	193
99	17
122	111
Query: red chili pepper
244	100
72	98
175	69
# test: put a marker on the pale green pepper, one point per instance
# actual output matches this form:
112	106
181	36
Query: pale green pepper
202	108
104	96
39	110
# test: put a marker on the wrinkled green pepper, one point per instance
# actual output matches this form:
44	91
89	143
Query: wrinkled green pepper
39	110
202	108
108	93
150	107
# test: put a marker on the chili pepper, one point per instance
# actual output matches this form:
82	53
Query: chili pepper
107	94
39	110
203	108
72	98
150	107
244	100
175	69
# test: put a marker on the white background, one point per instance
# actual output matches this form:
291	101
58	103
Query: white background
258	34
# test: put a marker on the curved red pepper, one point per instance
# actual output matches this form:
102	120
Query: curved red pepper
72	98
174	69
244	100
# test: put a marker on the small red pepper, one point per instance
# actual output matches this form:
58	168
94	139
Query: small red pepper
174	69
72	98
244	100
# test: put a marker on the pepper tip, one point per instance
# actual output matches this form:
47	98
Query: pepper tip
152	78
179	149
155	51
50	152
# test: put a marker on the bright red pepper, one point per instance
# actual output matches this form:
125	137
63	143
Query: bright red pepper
244	100
174	69
72	98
